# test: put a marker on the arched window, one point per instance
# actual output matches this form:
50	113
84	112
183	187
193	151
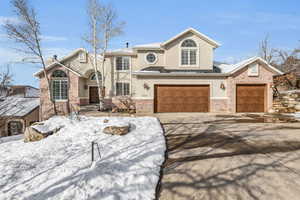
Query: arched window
59	85
59	74
188	52
93	76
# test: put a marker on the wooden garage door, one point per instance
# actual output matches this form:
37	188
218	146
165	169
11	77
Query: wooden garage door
250	98
181	98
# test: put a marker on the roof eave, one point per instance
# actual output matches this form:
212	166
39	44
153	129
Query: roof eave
181	74
37	74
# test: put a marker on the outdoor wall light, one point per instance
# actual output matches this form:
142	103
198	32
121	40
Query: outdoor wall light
146	86
222	86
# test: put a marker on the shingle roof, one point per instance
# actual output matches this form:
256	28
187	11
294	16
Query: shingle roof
161	69
18	107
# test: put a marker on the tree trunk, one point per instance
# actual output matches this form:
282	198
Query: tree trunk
95	63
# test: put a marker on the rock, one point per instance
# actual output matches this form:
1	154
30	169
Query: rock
297	107
114	110
272	111
119	129
38	131
105	121
45	129
31	135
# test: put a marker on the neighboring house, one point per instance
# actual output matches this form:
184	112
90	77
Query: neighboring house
20	91
177	75
17	113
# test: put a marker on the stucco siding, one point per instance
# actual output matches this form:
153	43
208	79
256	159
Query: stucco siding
173	53
144	87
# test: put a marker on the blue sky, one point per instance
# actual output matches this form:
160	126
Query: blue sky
238	25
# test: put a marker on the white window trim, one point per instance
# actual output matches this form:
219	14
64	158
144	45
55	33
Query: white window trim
123	70
52	96
188	48
151	63
122	89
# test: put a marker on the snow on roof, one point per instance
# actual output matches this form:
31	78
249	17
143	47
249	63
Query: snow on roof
123	50
18	107
150	45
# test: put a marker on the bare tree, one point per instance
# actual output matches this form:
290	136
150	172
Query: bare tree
104	26
27	33
5	81
289	60
266	52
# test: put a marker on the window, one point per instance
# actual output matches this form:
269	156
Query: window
253	70
122	89
15	128
93	76
59	85
122	63
188	52
59	74
82	57
151	58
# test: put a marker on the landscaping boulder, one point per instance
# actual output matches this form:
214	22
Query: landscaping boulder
117	129
297	107
31	135
39	131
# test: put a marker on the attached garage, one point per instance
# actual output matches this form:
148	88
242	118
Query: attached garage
181	98
251	98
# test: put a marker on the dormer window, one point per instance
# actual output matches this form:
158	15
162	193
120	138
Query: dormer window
188	53
82	57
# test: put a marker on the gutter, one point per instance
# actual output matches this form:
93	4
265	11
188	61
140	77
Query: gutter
181	74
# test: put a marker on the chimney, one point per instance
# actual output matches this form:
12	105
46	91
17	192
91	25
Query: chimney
127	44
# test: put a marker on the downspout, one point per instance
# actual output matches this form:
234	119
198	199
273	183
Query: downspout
130	71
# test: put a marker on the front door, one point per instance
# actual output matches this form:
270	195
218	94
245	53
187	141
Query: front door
94	97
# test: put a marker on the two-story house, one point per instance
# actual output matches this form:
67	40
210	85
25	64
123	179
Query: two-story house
177	75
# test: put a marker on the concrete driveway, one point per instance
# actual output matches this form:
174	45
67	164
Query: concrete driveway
230	157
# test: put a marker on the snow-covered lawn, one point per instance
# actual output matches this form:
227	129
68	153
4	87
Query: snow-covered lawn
59	167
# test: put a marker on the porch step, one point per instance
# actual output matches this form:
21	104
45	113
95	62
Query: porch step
88	108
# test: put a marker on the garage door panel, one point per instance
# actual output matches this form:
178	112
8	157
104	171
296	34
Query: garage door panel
181	98
250	98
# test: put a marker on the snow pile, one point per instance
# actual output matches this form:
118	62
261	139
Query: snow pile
297	115
59	166
11	138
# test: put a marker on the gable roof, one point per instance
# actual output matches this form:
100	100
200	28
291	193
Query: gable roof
226	68
59	62
194	31
18	107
